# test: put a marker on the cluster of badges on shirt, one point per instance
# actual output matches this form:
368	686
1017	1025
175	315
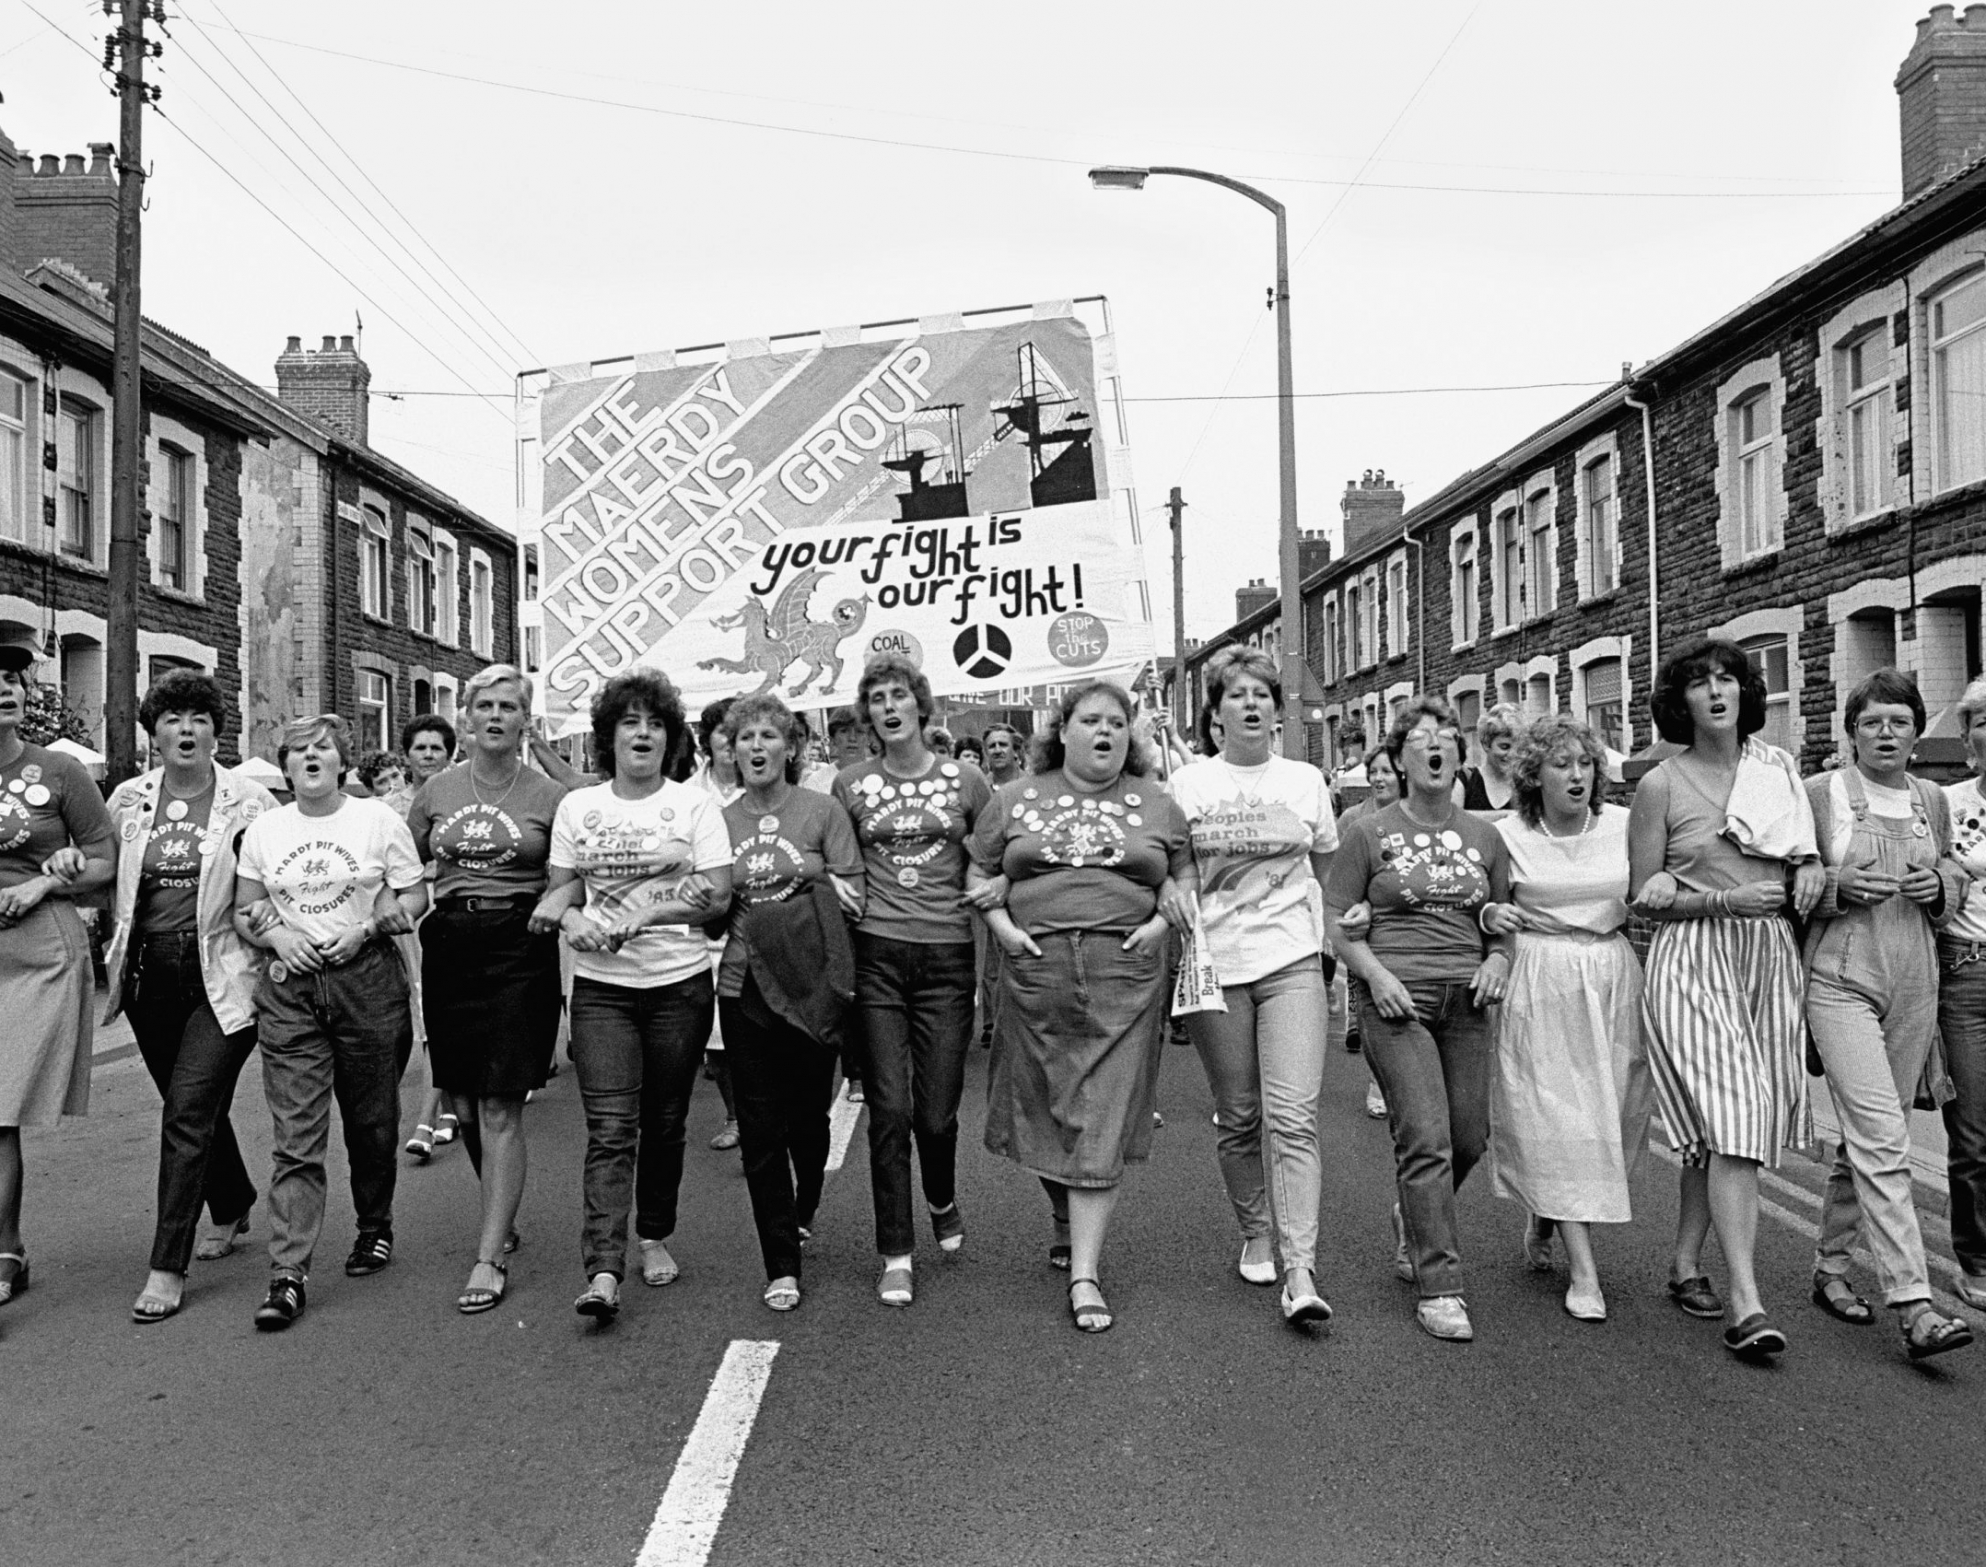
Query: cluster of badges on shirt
933	795
1078	831
1451	841
30	787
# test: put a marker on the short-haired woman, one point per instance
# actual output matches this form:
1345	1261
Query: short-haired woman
1715	835
1571	1096
1962	1009
637	863
786	979
718	772
1080	868
427	741
1263	834
182	974
1426	979
1382	789
1491	786
489	963
914	969
1872	1001
323	883
56	843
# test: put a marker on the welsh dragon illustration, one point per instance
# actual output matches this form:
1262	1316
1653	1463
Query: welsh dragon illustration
775	642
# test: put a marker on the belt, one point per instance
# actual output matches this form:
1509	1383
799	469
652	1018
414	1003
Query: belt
169	938
515	902
1956	954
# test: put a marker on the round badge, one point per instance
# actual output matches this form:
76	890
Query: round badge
1135	819
1133	799
1476	856
651	841
1065	801
768	824
1029	794
32	772
908	877
1422	841
590	820
279	971
17	787
206	845
38	794
129	831
950	769
1921	830
668	813
1451	839
1019	811
175	810
872	784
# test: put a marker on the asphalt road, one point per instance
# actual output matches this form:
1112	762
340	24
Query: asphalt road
977	1427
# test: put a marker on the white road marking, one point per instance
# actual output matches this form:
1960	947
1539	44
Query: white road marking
686	1522
842	1120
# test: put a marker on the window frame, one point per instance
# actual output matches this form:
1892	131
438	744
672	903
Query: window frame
1399	628
1465	607
19	432
77	420
420	582
1754	466
482	604
447	589
1935	350
174	517
1506	558
375	562
380	705
1538	570
1597	552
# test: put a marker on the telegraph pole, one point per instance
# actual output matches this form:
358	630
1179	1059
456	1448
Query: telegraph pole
127	442
1182	700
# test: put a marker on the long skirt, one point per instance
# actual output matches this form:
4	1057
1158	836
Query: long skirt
1076	1058
1727	1037
45	995
1570	1095
491	990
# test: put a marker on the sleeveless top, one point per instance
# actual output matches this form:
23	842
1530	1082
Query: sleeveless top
1698	854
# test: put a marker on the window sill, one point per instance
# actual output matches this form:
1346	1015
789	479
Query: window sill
1601	600
1757	563
1396	658
1858	527
376	620
1462	647
179	595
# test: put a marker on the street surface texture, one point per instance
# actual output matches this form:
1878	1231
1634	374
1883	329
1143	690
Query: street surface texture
976	1427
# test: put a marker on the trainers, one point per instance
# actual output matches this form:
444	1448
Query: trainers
282	1306
370	1253
1445	1317
948	1224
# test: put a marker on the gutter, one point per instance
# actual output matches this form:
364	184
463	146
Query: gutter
1654	579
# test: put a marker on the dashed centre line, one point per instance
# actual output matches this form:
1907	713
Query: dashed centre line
685	1524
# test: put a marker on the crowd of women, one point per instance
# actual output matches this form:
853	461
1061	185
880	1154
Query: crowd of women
858	919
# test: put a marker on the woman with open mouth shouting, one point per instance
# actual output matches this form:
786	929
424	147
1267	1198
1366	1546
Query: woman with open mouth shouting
1715	835
638	863
324	884
914	967
56	843
183	975
1426	978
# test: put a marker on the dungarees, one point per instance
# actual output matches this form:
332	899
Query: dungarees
1872	1004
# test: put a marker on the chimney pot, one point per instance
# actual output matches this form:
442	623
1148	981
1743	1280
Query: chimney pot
101	152
73	163
1975	16
295	346
345	344
330	344
50	164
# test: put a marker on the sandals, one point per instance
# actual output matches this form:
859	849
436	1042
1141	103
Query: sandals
895	1287
1538	1243
1755	1338
149	1308
601	1299
474	1300
446	1129
726	1138
421	1144
1833	1294
783	1294
1926	1332
18	1284
1090	1317
657	1266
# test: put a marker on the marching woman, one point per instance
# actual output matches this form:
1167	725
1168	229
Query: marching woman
1571	1096
718	772
1715	836
56	843
914	969
1492	786
324	883
427	740
1082	869
1426	979
637	864
1962	1010
183	975
1383	781
489	962
1263	834
1872	1001
787	977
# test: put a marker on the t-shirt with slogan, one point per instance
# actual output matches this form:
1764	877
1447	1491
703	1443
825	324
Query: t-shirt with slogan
324	873
632	855
1968	808
1254	830
485	843
913	832
169	874
1426	886
48	802
776	854
1081	861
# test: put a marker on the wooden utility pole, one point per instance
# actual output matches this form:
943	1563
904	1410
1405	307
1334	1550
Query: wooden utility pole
127	441
1182	699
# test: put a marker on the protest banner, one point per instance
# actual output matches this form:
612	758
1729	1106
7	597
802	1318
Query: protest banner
769	515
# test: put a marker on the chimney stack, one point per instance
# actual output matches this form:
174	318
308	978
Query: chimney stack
1941	96
1257	595
1372	508
1313	553
328	384
61	209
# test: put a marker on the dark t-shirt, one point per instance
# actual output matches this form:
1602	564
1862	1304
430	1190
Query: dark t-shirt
1082	861
169	874
493	850
775	854
913	832
48	802
1426	887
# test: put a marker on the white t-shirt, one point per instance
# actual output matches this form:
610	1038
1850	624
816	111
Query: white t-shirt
323	873
1969	849
632	854
1254	830
1895	804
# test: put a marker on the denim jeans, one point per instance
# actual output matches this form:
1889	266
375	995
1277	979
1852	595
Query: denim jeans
784	1084
1962	1021
636	1052
1434	1069
195	1066
1264	1059
341	1033
916	1002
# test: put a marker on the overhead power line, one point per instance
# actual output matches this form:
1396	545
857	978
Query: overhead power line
1179	397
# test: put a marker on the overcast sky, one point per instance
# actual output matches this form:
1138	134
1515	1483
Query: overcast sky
617	178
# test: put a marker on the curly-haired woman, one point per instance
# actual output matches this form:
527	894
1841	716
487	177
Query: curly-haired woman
1716	835
1570	1097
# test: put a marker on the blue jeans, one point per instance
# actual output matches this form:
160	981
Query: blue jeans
341	1033
916	1002
1962	1021
636	1053
1434	1069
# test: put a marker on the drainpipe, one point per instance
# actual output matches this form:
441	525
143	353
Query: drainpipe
1420	609
1654	577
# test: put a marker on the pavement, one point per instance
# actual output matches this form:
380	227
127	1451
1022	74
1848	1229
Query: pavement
975	1427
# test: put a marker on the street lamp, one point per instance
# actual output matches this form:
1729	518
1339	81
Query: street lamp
1113	177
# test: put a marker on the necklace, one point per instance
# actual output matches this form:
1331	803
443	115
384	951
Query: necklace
516	772
1586	826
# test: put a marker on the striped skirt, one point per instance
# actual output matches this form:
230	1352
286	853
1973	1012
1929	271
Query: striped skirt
1726	1037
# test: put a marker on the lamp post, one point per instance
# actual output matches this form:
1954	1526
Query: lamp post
1119	178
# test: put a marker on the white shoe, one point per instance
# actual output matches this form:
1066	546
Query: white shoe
1971	1288
1445	1317
1254	1271
1586	1308
1375	1101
